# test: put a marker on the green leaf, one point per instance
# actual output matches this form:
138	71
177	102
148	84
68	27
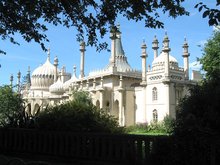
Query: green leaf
206	13
200	8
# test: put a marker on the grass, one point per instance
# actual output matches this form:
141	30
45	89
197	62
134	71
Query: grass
148	133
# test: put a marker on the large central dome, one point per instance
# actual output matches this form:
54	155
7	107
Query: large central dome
159	62
43	76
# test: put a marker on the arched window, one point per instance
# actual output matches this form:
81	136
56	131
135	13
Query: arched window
98	104
36	109
154	94
29	109
107	105
155	115
115	109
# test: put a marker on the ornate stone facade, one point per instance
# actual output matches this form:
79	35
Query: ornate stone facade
130	95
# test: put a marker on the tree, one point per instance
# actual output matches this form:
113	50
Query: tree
197	123
199	112
213	14
11	106
89	17
211	57
82	97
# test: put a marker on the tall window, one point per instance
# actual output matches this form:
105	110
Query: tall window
107	107
155	115
154	94
98	104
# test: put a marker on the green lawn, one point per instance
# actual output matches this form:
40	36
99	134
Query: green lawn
147	133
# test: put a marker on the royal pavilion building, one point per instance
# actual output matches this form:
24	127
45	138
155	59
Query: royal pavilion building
131	95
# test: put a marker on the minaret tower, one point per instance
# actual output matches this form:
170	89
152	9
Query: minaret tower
19	81
144	59
56	68
167	84
166	50
28	78
74	70
11	80
82	60
155	46
113	36
186	59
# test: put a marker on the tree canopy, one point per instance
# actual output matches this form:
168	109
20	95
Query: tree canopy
211	56
199	113
11	105
91	18
212	13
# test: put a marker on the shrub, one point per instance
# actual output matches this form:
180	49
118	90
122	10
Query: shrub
164	127
77	117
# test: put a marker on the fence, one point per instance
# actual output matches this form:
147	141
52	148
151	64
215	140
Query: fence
115	149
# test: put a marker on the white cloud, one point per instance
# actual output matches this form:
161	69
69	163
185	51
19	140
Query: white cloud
20	58
216	28
195	65
193	13
202	43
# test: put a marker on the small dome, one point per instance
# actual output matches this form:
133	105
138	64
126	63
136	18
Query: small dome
57	87
71	81
43	76
159	62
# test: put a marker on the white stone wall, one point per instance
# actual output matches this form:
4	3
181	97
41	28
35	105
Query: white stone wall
140	105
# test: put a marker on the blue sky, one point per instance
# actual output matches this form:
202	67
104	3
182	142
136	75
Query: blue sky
63	44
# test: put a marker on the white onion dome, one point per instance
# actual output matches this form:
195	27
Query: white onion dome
71	82
57	87
43	76
159	62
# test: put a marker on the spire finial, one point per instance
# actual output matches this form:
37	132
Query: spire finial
118	26
82	46
29	69
11	80
74	70
143	46
19	74
155	46
166	35
185	40
48	53
166	42
185	48
56	61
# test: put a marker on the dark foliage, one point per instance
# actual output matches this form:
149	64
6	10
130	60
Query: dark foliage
213	14
77	117
211	57
199	113
90	18
11	107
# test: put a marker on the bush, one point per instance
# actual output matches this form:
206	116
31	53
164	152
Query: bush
163	127
77	117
